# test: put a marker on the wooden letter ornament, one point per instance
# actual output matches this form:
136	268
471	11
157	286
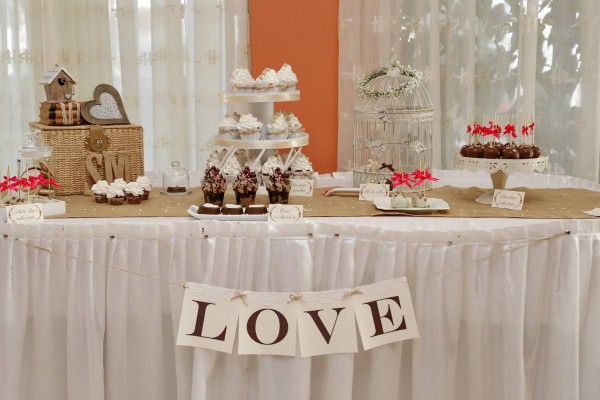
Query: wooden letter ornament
116	165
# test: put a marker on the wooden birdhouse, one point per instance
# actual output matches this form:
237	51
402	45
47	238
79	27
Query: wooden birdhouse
58	84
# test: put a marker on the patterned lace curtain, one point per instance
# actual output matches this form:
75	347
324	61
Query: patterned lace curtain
503	57
169	59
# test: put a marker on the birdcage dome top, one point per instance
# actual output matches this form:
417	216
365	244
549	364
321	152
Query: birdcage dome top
393	86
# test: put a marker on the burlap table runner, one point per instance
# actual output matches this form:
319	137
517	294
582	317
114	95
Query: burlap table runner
539	203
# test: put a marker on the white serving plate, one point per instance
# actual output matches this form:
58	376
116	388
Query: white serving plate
193	212
383	203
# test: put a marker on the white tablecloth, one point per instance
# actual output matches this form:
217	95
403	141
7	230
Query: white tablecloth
503	313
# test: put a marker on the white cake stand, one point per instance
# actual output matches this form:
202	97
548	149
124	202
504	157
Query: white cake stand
499	169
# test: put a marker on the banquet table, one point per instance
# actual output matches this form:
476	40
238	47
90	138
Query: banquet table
506	308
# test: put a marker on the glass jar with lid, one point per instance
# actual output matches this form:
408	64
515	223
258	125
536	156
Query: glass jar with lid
34	158
176	180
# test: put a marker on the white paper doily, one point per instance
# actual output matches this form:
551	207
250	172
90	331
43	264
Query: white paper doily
499	169
492	165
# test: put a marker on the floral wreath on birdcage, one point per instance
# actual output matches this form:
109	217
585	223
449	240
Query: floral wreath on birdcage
406	88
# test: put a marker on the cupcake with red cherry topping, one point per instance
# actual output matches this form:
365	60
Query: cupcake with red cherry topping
214	185
245	187
278	186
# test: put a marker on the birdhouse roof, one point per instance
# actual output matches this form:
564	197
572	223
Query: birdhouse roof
52	73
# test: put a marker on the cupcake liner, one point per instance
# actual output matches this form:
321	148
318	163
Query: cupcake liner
229	134
101	198
278	136
115	201
134	199
146	195
278	197
296	134
213	197
250	136
245	199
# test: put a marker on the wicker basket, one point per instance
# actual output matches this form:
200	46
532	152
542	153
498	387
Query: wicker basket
69	153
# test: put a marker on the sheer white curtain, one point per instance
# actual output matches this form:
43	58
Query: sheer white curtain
533	57
168	58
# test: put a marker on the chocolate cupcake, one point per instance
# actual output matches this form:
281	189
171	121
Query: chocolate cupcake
245	187
278	186
214	186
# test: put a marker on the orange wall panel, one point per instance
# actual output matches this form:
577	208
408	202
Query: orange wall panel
304	34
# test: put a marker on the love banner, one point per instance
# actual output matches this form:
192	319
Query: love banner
267	322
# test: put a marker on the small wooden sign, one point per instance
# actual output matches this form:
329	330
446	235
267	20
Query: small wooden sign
25	213
508	199
302	187
369	191
285	213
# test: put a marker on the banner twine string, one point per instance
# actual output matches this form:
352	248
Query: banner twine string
298	296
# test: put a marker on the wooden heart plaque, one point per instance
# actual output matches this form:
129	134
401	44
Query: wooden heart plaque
106	108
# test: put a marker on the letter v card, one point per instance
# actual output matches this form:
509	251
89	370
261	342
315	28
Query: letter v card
208	317
384	313
326	325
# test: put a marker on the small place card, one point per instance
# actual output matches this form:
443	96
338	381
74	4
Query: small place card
594	213
25	213
508	199
302	187
369	191
285	213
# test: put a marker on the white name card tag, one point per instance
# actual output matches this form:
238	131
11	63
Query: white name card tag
24	213
369	191
302	187
508	199
285	213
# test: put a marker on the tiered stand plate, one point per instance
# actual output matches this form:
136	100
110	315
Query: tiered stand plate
499	170
261	106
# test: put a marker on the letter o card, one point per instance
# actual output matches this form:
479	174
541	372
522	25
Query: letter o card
327	328
385	315
206	322
268	328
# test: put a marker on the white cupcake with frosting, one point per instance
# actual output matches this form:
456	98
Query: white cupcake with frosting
267	81
228	126
100	189
231	169
277	129
242	81
145	185
286	79
115	195
249	127
294	126
271	165
119	183
302	167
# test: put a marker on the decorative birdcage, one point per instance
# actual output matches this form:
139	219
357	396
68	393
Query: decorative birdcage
393	124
